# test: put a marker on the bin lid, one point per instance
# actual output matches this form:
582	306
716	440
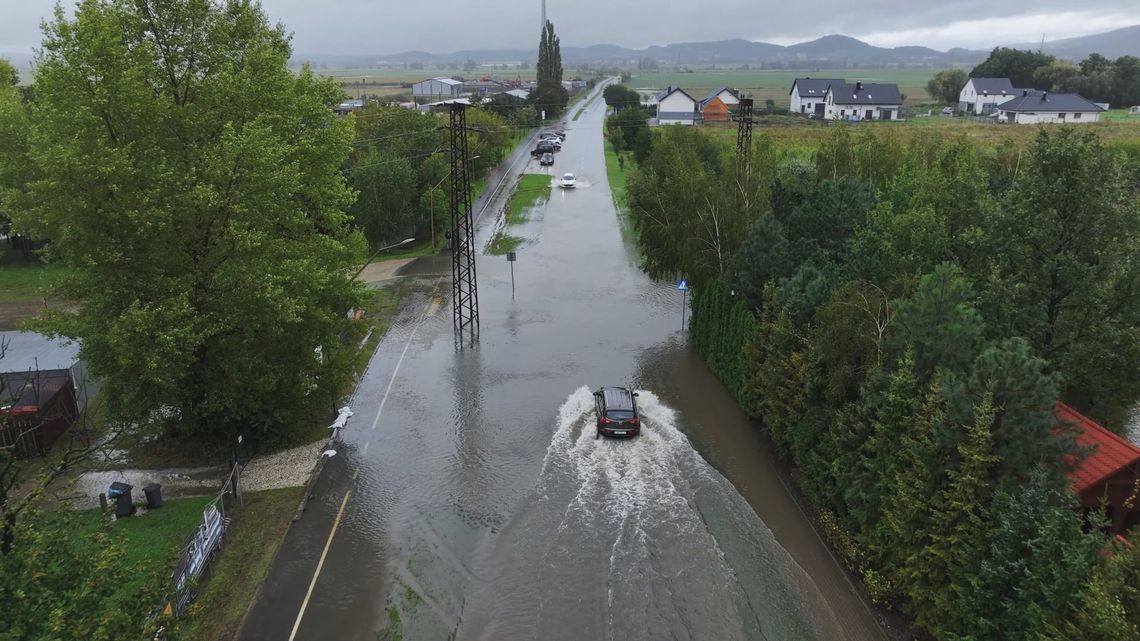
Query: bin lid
150	487
118	488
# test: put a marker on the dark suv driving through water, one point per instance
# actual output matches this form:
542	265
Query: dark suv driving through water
617	412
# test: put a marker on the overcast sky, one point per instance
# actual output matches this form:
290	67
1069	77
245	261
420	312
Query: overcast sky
442	26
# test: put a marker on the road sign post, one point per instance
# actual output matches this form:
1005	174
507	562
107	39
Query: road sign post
511	259
683	286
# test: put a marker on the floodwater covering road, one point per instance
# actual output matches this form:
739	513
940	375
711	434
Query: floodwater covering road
470	499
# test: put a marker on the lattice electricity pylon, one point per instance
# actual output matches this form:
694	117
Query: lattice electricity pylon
744	131
464	288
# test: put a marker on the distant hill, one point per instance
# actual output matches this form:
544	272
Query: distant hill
836	51
1111	44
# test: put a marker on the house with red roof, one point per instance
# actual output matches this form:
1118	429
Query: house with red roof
1109	476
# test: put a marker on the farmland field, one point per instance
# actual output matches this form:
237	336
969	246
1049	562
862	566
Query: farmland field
775	84
379	81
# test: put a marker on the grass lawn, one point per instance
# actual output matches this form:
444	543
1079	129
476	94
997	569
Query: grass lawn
232	582
151	542
533	190
26	283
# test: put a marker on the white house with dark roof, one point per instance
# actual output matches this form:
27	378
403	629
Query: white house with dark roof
863	101
1035	107
438	88
808	95
726	95
982	96
675	107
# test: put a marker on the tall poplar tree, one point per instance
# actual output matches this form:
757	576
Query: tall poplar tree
550	96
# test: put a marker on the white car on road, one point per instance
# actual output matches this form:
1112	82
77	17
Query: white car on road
567	181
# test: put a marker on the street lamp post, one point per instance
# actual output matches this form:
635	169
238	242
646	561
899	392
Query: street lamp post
376	253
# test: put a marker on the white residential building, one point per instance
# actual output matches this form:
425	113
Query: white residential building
870	101
675	107
808	95
982	96
1036	107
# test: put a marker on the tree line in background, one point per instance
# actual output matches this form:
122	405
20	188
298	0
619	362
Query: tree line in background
1097	78
902	319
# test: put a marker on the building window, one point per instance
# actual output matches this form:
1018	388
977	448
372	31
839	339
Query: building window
1077	116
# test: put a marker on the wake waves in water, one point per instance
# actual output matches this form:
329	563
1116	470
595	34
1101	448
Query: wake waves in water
640	539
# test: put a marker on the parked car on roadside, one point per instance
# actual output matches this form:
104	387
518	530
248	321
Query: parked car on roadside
616	409
947	111
543	148
546	160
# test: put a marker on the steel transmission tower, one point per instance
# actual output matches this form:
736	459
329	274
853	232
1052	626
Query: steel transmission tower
744	131
464	289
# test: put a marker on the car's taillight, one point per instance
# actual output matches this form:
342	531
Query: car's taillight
604	420
633	420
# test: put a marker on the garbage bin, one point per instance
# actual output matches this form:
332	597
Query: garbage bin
153	493
121	492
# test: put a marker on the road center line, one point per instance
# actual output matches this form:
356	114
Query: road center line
321	562
411	337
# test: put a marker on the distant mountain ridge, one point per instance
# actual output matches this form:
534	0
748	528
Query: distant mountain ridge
1111	44
832	50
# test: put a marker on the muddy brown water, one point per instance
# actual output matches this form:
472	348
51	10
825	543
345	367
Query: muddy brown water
482	507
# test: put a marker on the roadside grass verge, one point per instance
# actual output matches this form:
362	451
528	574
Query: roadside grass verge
503	243
28	283
579	113
531	191
251	543
616	173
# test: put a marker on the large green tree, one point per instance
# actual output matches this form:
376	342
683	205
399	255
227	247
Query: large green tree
946	85
193	182
1064	272
1017	65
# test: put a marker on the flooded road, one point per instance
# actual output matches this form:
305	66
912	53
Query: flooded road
471	500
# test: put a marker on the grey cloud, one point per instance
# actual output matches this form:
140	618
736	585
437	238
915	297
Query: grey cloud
385	26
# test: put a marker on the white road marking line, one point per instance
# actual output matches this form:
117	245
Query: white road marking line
411	337
321	562
366	444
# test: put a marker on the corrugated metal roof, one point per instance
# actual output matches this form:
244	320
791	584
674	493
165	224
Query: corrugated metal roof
1111	453
29	351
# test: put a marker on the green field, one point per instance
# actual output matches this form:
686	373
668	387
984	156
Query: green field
775	84
378	81
26	283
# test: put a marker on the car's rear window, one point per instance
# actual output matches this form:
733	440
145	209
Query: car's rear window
620	415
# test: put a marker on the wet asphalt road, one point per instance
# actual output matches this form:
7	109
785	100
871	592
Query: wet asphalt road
470	500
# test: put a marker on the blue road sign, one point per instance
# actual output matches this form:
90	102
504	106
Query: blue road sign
682	285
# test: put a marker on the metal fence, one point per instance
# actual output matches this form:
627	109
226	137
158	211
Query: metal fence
207	539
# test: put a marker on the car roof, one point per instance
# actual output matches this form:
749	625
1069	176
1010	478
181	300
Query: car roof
617	398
